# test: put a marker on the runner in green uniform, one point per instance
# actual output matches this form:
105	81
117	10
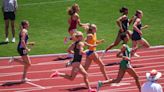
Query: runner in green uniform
125	66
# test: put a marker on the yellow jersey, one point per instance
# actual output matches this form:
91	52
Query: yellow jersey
92	42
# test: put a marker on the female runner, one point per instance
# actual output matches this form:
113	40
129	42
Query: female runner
123	23
23	49
91	54
73	21
125	66
137	38
77	49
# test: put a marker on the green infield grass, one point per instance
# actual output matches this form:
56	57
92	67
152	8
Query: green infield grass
48	22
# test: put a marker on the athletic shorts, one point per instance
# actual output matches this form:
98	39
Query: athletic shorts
9	15
77	58
22	51
136	36
124	64
88	53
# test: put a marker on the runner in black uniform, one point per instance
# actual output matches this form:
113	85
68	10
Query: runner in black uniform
123	23
137	33
77	49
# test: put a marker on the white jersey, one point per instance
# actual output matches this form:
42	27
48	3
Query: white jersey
151	87
9	5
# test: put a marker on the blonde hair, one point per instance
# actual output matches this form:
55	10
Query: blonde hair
138	12
91	28
89	35
77	34
73	9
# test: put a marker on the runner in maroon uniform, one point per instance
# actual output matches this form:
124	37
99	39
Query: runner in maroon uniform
73	21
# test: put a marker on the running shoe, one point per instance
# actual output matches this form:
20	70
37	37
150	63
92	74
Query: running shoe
68	64
11	59
92	90
13	40
25	80
136	55
7	40
55	74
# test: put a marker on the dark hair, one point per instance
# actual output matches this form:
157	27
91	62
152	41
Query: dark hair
123	9
73	9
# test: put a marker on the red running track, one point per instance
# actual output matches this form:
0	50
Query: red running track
42	67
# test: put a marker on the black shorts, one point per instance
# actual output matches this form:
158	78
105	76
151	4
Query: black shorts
9	15
136	36
22	51
77	58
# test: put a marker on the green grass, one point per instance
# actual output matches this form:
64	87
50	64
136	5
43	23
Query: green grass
48	22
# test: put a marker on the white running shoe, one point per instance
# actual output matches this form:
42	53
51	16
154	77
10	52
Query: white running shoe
26	80
69	63
13	40
7	40
136	55
11	59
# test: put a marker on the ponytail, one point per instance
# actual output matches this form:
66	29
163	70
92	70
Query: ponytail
123	9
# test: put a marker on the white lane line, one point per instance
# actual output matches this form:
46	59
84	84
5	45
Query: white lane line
58	62
32	89
77	85
109	73
119	84
114	50
95	66
44	3
36	85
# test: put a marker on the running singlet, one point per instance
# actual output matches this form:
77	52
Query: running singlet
124	64
20	37
139	27
77	55
92	42
127	52
125	24
73	24
136	35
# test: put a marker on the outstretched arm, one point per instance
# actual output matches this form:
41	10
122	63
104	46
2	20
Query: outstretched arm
100	41
144	27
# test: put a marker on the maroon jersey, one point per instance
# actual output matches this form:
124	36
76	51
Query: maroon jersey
73	24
